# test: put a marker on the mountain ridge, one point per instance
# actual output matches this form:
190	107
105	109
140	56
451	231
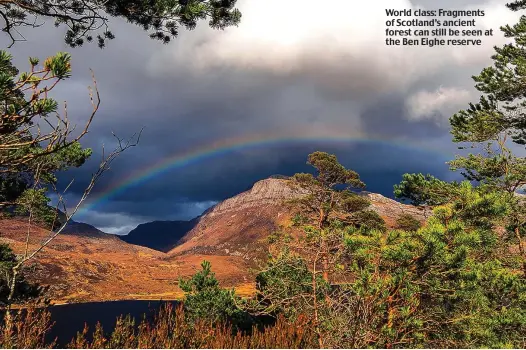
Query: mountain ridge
262	209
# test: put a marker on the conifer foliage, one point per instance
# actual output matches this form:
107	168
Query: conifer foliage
36	141
88	20
24	291
206	300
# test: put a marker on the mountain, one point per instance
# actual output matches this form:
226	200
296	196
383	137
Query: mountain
85	230
239	226
159	235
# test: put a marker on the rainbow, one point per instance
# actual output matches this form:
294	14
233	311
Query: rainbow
225	146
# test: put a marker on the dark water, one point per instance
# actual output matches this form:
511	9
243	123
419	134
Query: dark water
70	319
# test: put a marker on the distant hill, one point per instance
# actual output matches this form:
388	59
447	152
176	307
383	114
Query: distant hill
160	235
85	230
94	266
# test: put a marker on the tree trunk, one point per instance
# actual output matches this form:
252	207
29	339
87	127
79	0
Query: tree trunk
390	315
325	260
315	305
321	219
8	318
521	250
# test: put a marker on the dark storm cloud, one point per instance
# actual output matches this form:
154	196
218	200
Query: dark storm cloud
170	195
209	86
388	117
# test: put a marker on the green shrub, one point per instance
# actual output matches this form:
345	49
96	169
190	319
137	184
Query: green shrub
407	222
24	291
205	299
369	220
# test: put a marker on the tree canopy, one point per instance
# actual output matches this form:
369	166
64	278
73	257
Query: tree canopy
35	141
330	189
88	20
498	119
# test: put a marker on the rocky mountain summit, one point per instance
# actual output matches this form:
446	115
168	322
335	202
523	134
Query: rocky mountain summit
265	192
274	191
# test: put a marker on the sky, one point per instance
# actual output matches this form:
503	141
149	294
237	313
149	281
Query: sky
308	75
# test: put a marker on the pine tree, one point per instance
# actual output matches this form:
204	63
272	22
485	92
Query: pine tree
305	267
420	189
498	118
407	222
29	155
328	199
205	299
329	193
443	285
496	125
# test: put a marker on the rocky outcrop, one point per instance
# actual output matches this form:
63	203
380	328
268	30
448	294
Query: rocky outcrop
390	210
264	192
275	191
